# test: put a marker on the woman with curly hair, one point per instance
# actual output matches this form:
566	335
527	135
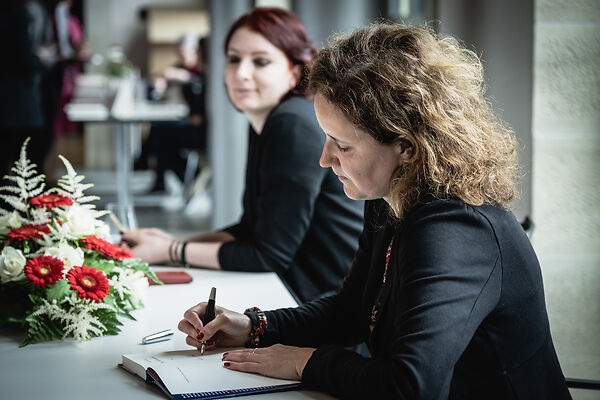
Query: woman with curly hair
445	287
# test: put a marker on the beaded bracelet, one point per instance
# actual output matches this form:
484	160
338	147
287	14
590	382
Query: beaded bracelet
259	326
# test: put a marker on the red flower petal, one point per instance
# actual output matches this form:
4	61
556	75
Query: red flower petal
27	232
94	242
106	248
50	200
89	282
44	270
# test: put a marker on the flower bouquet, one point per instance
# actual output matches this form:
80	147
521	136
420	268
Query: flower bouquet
59	277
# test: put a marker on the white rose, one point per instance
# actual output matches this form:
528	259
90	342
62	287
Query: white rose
80	221
138	286
10	221
12	262
70	256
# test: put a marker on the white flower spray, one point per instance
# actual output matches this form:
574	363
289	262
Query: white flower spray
79	320
128	282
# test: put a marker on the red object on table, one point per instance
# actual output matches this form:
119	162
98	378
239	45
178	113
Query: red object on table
171	277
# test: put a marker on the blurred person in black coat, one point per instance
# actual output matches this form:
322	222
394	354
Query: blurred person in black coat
21	102
167	139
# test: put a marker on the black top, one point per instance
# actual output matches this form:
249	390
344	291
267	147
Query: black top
465	317
194	91
297	221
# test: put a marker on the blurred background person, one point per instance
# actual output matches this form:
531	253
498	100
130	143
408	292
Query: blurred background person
167	142
71	51
21	106
297	221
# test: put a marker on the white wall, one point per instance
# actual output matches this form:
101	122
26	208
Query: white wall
116	21
566	178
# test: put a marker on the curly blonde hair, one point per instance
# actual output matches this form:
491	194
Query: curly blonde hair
399	82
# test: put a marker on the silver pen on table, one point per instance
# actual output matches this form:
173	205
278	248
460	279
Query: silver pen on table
157	337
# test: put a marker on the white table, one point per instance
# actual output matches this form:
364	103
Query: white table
127	111
69	369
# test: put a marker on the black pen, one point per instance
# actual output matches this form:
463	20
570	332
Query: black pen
209	315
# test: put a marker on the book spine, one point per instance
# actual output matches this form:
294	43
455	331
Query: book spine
219	394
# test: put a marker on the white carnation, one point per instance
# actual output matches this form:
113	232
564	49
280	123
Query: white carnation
12	262
80	221
70	256
10	221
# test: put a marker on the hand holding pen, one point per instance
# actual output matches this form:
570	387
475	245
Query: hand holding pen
228	329
209	314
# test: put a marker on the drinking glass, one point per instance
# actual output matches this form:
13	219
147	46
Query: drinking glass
121	219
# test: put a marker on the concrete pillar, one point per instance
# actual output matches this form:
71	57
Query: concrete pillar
322	18
566	184
501	33
227	128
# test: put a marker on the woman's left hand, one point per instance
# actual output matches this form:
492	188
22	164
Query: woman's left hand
277	361
149	244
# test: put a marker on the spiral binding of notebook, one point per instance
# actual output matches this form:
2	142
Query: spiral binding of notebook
219	394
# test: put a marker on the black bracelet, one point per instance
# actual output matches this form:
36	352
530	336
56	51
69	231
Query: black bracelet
183	254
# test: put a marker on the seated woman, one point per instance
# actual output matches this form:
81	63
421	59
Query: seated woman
297	221
445	287
167	139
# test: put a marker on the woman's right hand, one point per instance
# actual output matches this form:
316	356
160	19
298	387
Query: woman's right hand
228	329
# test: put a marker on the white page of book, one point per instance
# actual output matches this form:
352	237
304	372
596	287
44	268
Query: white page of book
186	371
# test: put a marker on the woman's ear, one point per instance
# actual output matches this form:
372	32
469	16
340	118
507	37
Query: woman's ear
405	149
296	75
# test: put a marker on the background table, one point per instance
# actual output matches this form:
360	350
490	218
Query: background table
126	108
69	369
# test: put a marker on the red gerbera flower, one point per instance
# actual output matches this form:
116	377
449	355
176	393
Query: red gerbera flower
95	243
27	232
106	248
44	270
89	282
50	200
116	252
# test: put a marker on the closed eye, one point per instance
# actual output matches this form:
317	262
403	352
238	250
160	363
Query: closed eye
341	148
261	62
233	59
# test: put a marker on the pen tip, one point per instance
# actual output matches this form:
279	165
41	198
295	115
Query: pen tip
213	293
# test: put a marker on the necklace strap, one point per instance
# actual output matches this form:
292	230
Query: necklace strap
383	289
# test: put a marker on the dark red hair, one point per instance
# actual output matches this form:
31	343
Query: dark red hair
286	32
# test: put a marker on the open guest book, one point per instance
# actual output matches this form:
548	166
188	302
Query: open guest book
185	374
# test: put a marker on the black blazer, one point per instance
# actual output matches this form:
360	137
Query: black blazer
465	317
297	221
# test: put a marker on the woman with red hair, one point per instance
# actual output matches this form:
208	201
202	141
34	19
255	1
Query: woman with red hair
297	221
